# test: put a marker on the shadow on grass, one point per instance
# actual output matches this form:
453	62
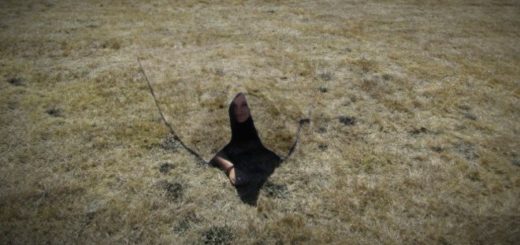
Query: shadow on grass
248	184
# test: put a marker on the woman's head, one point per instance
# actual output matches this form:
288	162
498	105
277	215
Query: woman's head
242	125
241	108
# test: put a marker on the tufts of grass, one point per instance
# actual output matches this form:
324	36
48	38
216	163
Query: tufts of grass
217	235
413	133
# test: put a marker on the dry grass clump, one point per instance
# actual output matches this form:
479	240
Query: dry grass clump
413	135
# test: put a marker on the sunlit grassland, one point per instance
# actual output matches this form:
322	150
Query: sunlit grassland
429	153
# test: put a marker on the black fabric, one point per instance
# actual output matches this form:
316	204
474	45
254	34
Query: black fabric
253	162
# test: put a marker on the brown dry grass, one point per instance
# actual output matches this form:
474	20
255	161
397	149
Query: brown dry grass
433	156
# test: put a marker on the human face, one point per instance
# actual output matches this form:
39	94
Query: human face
241	108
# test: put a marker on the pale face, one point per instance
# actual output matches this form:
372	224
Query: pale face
241	108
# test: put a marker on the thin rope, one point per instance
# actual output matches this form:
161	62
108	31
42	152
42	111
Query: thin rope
297	140
300	125
175	136
301	122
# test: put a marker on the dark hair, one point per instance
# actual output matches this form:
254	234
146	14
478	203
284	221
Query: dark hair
244	131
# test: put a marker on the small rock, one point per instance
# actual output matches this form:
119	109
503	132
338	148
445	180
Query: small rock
346	120
516	162
322	130
16	81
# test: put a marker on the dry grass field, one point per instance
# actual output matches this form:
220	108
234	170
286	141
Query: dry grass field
414	135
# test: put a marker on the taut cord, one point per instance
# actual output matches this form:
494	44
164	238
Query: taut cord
193	152
300	125
175	136
297	140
